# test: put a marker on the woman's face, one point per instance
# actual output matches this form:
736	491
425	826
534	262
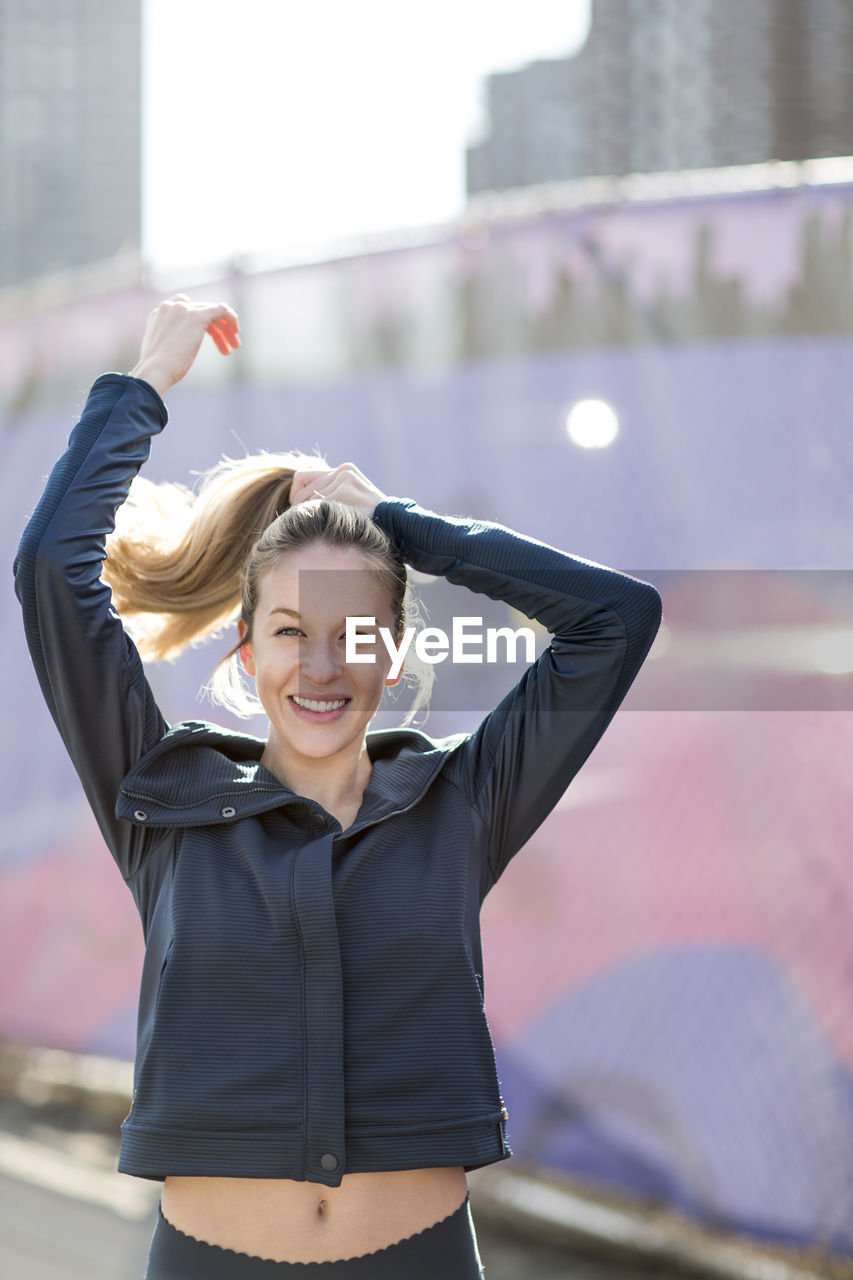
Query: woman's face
318	705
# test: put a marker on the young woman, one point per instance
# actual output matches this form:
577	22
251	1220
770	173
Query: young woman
314	1071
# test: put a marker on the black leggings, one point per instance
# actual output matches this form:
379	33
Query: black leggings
448	1249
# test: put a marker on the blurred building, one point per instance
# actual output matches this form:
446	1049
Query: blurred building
70	124
664	85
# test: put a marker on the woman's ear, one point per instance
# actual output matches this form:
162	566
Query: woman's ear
245	650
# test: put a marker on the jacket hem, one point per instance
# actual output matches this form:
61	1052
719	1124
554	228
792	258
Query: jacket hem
157	1154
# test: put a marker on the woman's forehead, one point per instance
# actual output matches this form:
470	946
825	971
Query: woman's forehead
325	580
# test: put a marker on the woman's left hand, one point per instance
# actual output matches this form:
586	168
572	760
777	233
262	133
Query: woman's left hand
344	483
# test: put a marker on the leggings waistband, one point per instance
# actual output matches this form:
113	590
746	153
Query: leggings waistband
449	1249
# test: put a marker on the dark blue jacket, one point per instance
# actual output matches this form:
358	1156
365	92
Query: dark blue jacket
312	999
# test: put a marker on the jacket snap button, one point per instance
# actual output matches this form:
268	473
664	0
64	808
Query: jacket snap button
228	811
329	1162
140	815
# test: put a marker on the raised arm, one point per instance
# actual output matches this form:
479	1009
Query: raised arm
523	756
521	759
89	671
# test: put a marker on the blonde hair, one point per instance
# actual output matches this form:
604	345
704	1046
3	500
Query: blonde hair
184	564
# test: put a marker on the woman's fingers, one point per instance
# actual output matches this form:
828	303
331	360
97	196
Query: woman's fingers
174	333
324	483
330	475
177	318
344	483
224	328
304	484
225	333
330	484
220	340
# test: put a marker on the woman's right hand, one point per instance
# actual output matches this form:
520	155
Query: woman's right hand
174	334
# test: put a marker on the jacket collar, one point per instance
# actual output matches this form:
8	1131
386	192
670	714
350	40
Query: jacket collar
199	774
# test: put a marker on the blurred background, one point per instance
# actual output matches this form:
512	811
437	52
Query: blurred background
583	268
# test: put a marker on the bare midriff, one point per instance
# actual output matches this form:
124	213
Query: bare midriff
288	1221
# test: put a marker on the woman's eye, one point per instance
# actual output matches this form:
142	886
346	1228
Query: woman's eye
295	631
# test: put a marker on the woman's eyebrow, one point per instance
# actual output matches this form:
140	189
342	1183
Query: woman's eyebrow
292	613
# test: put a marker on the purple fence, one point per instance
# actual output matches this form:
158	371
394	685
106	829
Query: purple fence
669	960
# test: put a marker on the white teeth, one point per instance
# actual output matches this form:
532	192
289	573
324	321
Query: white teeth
311	705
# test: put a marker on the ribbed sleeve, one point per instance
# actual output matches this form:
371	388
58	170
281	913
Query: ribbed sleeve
526	752
89	671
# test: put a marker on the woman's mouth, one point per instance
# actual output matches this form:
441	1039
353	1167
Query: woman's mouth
319	710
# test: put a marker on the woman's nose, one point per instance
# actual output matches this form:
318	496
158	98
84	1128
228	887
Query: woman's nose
321	663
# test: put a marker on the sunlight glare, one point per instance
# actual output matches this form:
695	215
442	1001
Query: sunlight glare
592	424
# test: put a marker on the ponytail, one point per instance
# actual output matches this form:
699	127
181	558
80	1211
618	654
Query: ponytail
176	558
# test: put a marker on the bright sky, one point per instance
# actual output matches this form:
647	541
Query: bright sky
274	124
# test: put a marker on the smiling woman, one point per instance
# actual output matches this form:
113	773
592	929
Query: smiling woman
301	673
315	1073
